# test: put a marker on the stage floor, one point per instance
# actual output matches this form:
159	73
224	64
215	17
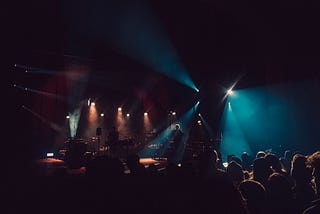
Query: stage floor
52	166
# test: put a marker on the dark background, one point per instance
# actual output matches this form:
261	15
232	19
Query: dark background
260	43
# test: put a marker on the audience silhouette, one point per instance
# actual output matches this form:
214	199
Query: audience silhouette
200	185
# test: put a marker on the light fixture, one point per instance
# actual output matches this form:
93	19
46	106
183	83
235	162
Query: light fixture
229	91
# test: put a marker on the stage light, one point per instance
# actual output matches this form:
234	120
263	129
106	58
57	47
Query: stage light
199	115
15	65
128	115
89	102
119	109
67	117
26	89
174	113
225	164
50	154
26	71
93	104
146	114
229	91
102	114
14	85
197	90
199	122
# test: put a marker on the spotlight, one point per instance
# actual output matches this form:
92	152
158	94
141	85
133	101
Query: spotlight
199	115
15	65
197	90
146	114
128	115
229	105
174	113
102	114
93	104
89	102
26	89
26	71
199	122
229	91
67	117
225	164
119	109
14	85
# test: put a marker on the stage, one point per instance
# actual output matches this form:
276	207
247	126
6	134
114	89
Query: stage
55	166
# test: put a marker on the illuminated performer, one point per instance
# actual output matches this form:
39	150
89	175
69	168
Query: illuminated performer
175	145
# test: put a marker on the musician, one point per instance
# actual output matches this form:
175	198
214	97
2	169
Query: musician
177	137
175	146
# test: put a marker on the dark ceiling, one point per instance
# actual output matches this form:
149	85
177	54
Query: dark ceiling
218	42
274	40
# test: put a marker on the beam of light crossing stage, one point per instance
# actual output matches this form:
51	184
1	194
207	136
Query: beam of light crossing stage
100	80
234	140
76	85
25	67
161	143
121	124
56	73
47	94
77	79
41	71
52	125
140	35
207	126
92	120
74	118
147	126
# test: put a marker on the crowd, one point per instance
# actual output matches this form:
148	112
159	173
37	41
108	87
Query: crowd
262	184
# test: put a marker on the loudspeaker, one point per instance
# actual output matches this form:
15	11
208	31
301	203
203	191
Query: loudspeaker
99	131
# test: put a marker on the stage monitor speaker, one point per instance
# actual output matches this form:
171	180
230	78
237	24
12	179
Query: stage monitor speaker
99	131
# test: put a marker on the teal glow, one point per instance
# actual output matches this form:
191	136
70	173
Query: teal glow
134	30
147	42
162	141
233	138
276	117
74	122
207	126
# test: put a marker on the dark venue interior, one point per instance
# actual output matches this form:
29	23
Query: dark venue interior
162	106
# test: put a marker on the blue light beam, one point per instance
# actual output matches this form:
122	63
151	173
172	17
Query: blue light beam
158	146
